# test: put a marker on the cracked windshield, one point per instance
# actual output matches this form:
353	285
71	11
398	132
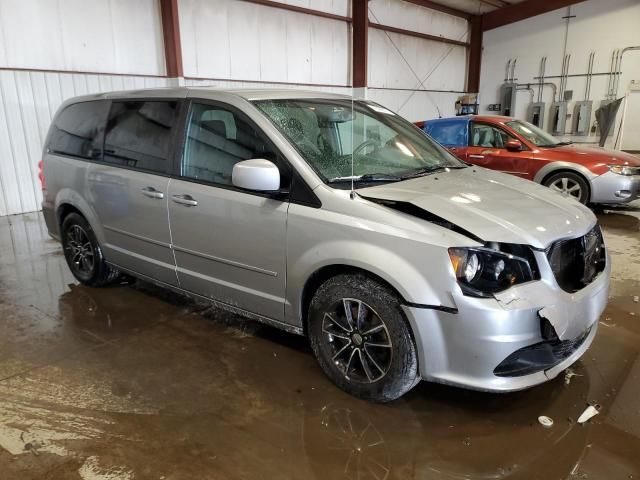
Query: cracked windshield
359	141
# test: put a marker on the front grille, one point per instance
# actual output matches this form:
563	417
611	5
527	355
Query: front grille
577	262
541	356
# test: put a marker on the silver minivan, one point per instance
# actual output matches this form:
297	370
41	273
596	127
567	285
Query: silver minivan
334	218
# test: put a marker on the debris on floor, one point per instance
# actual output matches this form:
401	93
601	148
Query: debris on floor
636	298
568	375
590	412
545	421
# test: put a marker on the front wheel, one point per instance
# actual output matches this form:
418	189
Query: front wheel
569	184
361	338
83	253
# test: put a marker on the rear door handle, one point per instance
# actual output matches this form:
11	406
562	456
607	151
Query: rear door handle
152	193
476	156
186	200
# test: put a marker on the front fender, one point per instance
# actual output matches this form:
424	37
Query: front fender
549	168
425	279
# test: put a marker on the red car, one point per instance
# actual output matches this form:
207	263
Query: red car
589	174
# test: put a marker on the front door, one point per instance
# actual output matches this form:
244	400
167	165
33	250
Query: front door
487	148
229	244
128	188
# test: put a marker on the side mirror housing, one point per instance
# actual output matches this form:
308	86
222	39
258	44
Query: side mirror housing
257	174
514	145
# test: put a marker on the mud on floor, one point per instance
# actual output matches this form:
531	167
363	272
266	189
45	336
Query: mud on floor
134	382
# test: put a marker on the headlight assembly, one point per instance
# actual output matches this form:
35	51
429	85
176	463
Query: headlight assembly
482	272
624	169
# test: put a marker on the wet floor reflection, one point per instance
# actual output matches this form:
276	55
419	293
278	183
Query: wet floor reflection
136	382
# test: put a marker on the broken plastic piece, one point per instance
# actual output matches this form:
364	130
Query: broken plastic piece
589	412
545	421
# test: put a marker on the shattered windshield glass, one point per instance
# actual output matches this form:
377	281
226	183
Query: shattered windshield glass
329	134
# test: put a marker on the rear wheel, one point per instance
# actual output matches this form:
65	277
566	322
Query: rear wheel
569	184
361	338
83	253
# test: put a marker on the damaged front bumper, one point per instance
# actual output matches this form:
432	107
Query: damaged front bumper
468	348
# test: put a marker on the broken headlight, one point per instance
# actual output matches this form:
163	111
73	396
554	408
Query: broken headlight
482	272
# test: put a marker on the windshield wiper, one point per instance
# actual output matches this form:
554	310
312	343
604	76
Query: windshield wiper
428	170
367	177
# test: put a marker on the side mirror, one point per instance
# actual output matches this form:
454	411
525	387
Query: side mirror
514	145
257	174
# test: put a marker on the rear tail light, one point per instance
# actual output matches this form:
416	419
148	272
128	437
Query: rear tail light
41	175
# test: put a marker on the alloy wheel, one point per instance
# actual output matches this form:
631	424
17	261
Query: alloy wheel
79	250
358	340
568	187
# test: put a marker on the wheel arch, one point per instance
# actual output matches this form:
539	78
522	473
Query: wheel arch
573	171
557	167
68	201
322	274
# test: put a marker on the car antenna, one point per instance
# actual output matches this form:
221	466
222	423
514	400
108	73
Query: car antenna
352	195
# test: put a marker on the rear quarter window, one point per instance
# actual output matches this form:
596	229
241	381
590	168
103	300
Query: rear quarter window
449	134
77	130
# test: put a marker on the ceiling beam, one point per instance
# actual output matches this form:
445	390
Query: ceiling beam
441	8
522	11
294	8
412	33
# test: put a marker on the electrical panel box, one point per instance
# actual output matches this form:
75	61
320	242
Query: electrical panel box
558	116
535	114
508	99
581	117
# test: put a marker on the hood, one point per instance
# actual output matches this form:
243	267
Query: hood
492	206
596	155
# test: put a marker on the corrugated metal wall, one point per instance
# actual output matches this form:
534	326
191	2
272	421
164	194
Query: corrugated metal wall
252	44
28	100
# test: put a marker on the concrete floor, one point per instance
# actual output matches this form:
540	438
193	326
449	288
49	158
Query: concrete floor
134	382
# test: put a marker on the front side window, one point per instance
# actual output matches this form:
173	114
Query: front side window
139	133
217	139
329	134
535	135
483	135
77	130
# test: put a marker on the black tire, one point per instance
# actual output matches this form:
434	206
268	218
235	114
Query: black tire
83	253
343	354
571	184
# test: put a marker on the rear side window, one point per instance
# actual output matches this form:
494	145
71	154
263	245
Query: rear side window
139	133
77	130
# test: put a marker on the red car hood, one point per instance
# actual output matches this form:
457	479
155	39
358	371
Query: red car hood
591	156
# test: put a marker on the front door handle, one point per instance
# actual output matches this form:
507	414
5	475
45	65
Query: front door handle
186	200
152	193
476	156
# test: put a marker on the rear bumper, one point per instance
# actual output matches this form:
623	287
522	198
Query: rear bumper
49	214
613	188
466	348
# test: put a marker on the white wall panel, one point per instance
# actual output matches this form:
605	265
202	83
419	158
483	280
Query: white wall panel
408	16
28	101
445	65
337	7
598	26
116	36
240	40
